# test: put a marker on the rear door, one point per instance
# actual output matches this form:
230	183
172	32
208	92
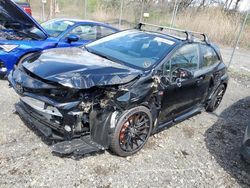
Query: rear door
181	96
209	63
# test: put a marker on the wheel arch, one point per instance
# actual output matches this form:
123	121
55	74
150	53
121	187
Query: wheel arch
24	55
114	145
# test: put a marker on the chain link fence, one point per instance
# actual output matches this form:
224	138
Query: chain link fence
127	12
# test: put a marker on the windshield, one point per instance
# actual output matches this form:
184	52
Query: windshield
56	27
137	49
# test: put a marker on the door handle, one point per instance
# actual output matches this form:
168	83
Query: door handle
199	79
178	82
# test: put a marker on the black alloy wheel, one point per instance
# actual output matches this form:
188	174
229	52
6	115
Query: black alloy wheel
216	99
132	131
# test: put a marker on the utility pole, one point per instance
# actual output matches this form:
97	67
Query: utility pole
174	13
43	9
85	9
52	9
238	38
142	10
121	11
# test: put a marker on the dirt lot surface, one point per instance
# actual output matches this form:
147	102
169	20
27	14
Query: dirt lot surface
240	60
200	152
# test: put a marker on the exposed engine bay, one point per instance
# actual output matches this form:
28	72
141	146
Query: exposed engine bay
11	35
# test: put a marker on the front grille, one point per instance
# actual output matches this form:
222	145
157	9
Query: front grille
40	118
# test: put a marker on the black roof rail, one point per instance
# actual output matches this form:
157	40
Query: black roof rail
189	34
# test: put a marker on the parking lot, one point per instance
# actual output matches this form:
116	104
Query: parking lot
200	152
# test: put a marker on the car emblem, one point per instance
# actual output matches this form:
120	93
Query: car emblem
19	88
146	64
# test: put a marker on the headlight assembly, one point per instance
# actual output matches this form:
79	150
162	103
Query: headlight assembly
8	47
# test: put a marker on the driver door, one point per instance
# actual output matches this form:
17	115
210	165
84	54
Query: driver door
85	34
180	86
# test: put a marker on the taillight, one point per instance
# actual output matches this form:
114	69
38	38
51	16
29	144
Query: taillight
28	10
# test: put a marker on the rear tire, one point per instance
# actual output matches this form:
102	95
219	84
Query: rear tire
132	131
216	98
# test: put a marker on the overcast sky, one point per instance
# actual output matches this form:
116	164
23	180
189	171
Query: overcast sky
245	5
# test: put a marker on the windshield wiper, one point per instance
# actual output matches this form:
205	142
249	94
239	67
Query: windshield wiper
98	54
85	48
105	56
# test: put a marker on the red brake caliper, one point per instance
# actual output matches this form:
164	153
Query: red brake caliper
123	130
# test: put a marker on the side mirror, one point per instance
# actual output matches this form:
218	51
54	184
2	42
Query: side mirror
72	38
181	74
185	74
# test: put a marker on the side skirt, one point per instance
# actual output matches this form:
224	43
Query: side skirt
178	119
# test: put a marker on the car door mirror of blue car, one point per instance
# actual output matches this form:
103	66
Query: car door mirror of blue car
72	38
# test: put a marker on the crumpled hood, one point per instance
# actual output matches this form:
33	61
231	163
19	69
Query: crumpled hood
13	16
77	68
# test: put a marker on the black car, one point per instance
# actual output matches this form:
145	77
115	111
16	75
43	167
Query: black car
117	91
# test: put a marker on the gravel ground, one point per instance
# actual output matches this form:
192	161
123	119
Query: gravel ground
200	152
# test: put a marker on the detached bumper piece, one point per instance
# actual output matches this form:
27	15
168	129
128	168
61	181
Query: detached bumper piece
77	146
28	117
81	146
32	119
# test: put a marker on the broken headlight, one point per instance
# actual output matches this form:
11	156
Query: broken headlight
3	69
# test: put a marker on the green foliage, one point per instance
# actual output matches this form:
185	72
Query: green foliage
110	5
92	5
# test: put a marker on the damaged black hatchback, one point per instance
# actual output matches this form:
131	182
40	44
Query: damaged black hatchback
117	91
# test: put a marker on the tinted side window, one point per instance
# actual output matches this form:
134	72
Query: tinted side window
105	31
85	32
186	57
209	56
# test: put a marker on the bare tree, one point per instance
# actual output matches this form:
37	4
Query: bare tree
237	4
52	10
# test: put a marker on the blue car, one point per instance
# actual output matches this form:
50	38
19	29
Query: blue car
21	35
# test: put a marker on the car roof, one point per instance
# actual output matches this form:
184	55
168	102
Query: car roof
180	40
190	36
162	35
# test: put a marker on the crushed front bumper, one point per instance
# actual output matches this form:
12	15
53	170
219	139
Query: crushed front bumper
78	146
34	119
78	131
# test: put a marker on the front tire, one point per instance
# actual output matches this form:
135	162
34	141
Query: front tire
216	98
20	62
132	131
